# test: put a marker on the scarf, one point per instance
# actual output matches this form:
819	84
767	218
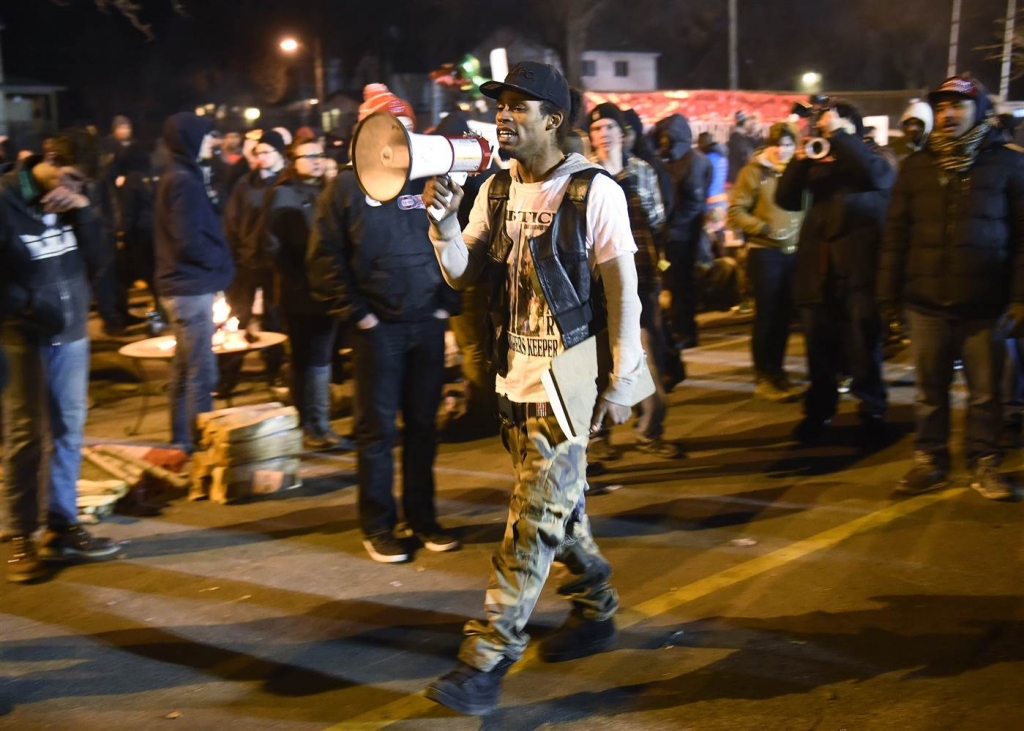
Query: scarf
955	155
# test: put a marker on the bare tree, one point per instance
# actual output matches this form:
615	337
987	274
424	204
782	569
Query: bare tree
129	9
571	20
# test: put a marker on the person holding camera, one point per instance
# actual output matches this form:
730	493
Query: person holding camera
848	183
49	245
548	236
954	256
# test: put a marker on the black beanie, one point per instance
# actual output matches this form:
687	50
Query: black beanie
275	140
607	111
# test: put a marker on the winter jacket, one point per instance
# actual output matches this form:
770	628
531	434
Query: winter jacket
691	175
46	263
285	222
241	216
719	162
643	150
842	231
753	210
375	257
955	242
192	257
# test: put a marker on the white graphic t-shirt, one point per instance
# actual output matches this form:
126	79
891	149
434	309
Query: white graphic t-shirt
533	337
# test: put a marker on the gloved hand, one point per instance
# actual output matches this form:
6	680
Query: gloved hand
1011	323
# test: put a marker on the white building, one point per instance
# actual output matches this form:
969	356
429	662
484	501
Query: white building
620	70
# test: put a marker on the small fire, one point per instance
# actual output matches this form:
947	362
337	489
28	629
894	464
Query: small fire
222	311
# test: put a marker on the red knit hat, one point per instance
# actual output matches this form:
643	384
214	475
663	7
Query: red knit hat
380	99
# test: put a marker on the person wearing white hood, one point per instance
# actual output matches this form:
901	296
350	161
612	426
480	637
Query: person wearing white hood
917	122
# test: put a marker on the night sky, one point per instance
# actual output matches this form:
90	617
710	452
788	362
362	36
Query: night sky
110	67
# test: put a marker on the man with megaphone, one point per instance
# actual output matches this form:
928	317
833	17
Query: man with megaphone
546	237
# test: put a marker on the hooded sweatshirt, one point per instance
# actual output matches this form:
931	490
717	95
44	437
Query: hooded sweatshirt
192	257
45	260
691	173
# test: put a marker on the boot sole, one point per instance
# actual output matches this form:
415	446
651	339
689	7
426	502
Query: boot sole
458	704
580	651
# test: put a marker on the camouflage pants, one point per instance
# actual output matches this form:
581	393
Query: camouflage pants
546	523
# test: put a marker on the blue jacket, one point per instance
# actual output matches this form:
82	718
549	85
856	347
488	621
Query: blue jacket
192	257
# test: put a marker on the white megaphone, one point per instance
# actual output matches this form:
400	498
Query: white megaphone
386	156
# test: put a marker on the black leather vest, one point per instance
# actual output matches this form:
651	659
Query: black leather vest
561	267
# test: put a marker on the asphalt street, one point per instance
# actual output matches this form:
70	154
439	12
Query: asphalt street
763	586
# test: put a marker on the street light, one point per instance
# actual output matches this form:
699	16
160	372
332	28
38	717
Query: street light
290	45
251	114
811	81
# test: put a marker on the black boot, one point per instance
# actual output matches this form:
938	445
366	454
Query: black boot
468	690
578	637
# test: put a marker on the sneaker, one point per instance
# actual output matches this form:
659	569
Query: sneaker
385	548
669	450
811	429
845	384
438	540
578	637
327	441
24	564
468	690
74	542
601	450
923	477
991	483
769	390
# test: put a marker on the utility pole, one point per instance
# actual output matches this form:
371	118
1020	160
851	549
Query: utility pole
734	63
954	38
318	74
1004	77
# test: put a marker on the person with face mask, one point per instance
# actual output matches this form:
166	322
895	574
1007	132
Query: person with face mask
954	258
287	218
772	234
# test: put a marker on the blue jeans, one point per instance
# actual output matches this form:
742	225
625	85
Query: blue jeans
54	378
399	366
771	276
194	368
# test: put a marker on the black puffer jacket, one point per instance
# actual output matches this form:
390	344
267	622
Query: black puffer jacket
375	258
241	218
955	242
842	231
691	175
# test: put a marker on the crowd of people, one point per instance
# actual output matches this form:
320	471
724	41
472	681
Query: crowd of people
545	250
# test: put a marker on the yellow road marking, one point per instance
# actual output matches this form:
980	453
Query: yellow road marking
416	704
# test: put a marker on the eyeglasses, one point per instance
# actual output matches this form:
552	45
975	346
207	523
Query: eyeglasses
312	156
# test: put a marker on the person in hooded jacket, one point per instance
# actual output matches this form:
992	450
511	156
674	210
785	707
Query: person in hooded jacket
372	265
193	263
772	234
916	122
49	248
954	257
836	268
283	232
691	175
636	142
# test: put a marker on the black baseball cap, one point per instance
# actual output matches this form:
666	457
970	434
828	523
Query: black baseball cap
539	81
